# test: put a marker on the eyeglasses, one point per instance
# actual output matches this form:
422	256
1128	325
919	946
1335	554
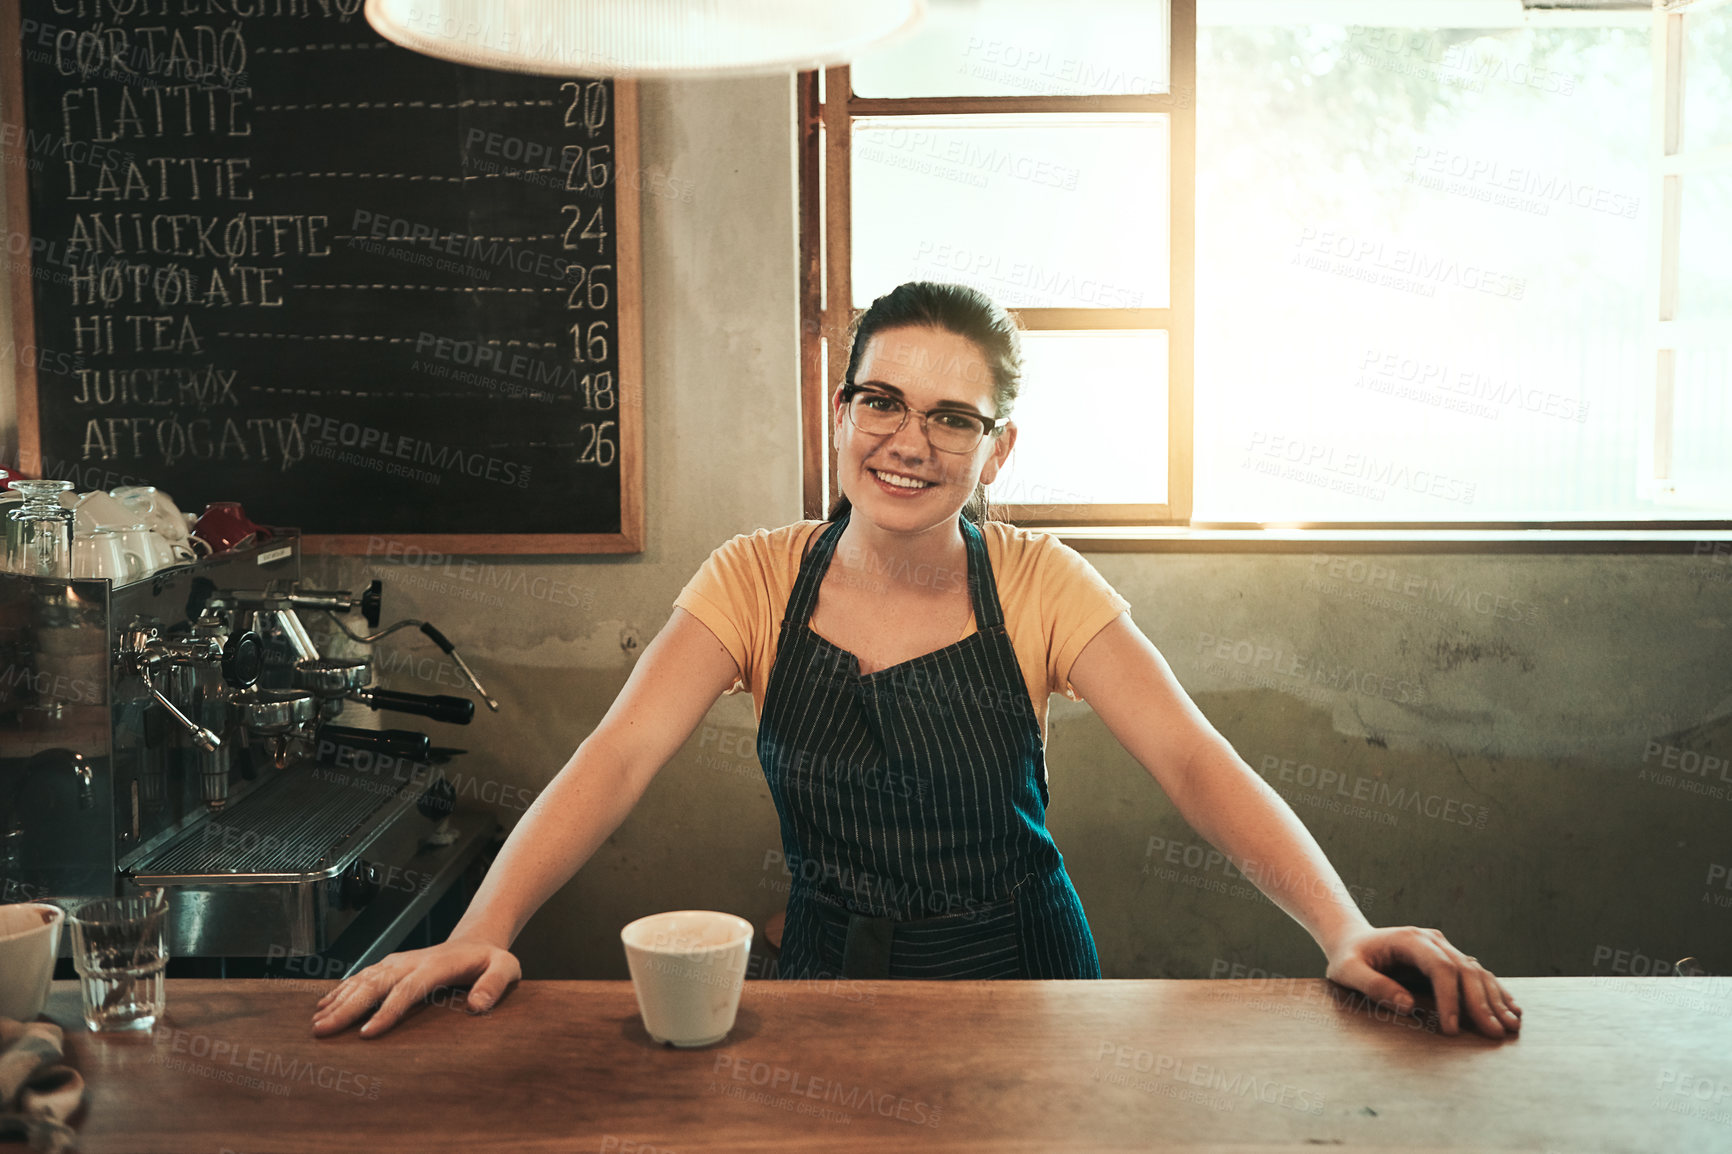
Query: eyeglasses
948	430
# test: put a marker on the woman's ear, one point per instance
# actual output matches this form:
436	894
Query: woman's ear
1002	445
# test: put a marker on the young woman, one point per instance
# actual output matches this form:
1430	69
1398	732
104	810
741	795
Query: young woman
900	655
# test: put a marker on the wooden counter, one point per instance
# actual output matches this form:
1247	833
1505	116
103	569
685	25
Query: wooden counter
1617	1064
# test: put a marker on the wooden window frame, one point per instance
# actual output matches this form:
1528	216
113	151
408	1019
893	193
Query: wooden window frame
1672	162
826	289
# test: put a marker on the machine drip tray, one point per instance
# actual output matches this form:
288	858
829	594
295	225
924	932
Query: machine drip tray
306	822
285	869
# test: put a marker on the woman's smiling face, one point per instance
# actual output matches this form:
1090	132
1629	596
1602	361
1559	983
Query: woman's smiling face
925	368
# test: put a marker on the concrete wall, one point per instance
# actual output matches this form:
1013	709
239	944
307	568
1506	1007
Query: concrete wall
1511	748
1480	742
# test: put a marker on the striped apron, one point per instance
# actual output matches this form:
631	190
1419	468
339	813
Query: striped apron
913	803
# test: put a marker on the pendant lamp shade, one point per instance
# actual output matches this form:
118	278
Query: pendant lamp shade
642	37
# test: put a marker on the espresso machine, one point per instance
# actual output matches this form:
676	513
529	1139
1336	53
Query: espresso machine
184	732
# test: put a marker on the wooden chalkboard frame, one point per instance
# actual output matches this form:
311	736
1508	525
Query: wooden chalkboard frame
628	289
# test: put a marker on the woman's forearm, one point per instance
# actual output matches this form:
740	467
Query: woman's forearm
586	801
1224	800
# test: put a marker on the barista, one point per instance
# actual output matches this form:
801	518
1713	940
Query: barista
866	667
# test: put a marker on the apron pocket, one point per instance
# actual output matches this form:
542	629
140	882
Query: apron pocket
982	946
985	946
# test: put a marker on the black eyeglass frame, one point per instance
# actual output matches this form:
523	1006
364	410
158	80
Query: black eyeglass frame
990	426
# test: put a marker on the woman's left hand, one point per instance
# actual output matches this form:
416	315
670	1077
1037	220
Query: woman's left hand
1362	960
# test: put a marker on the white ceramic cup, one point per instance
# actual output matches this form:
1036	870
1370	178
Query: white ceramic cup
105	554
29	941
688	968
156	509
97	512
166	552
153	548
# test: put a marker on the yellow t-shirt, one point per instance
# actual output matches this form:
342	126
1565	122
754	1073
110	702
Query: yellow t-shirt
1054	602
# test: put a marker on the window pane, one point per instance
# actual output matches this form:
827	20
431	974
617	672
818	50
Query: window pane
1421	273
1091	420
1707	78
1701	465
1705	247
1024	48
1036	211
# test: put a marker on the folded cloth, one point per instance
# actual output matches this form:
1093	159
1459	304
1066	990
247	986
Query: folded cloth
37	1095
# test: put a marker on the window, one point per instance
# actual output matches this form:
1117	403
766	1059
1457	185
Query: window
1041	153
1443	275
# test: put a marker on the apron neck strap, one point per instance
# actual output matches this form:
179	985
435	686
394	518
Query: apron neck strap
982	587
804	598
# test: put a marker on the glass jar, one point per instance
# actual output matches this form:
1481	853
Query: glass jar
39	531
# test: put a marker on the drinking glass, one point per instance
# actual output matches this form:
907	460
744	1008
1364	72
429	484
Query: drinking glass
39	531
119	950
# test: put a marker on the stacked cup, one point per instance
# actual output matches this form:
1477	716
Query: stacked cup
127	534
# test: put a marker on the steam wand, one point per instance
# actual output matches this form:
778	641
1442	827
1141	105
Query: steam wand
439	639
143	650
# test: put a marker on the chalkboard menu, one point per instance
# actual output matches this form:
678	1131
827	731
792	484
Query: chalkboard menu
273	258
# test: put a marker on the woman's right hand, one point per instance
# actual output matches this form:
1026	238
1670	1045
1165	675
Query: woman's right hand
671	689
399	981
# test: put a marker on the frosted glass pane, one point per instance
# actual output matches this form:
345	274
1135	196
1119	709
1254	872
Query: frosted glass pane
1707	78
1703	389
1024	48
1705	248
1035	211
1422	276
1091	420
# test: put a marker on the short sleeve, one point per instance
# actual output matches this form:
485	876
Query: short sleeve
1076	604
719	595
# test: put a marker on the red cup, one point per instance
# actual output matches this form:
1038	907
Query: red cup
9	474
224	525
